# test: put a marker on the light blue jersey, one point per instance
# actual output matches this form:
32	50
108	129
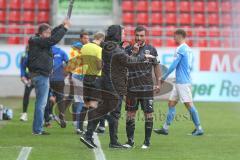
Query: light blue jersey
184	67
183	60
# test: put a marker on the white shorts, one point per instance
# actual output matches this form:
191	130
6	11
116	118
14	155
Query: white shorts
78	89
182	92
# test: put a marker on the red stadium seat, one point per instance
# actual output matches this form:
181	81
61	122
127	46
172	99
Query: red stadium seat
156	42
212	6
142	18
226	19
213	19
157	18
187	28
227	43
13	29
25	40
226	6
129	30
128	18
198	6
171	18
213	31
170	30
189	42
2	16
13	40
29	29
15	4
142	5
202	43
185	6
43	4
147	41
28	16
200	31
3	4
14	16
156	6
171	42
226	31
214	43
43	17
156	31
2	28
185	18
199	19
170	6
128	5
29	4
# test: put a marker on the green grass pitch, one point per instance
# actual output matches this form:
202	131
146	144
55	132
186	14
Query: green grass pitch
221	141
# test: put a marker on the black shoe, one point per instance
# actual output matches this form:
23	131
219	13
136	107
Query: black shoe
116	145
80	132
100	131
129	144
63	123
161	131
92	142
88	142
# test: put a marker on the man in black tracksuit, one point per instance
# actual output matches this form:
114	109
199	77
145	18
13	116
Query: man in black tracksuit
40	64
141	87
114	86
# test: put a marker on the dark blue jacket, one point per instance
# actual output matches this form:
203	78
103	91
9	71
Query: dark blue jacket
59	59
23	66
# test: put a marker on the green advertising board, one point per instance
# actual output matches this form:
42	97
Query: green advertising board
86	7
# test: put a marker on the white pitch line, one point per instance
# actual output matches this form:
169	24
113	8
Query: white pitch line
99	155
24	153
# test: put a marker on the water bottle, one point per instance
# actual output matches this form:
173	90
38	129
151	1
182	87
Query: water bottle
1	112
10	114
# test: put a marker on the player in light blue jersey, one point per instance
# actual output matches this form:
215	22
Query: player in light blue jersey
183	60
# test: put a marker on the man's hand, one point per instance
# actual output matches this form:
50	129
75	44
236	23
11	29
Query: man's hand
135	48
157	88
149	56
66	23
52	99
24	80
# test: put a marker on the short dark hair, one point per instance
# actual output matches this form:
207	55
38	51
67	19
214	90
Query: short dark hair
181	32
140	29
43	27
83	33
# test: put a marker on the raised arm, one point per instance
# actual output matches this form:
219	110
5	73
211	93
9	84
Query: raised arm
56	35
